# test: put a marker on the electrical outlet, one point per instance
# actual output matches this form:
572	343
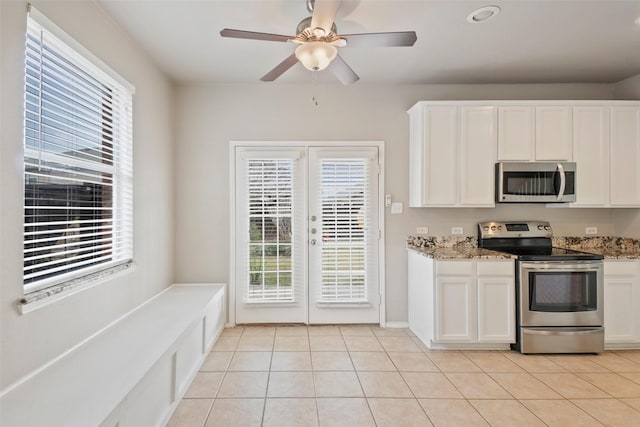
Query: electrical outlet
457	230
422	230
591	230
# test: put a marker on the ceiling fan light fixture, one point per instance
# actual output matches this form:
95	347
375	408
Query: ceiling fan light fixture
316	56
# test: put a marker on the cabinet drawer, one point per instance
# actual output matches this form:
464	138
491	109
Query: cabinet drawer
454	268
621	268
495	268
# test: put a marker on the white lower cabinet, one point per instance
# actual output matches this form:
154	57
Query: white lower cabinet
462	303
496	301
622	303
455	308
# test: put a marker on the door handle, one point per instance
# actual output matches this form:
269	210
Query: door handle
562	181
313	242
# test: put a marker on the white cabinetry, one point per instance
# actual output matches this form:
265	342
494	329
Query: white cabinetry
462	303
433	150
591	154
496	301
454	145
553	132
516	133
456	298
621	303
477	156
625	156
452	153
529	132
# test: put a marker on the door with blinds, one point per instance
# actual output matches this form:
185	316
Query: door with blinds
307	235
343	235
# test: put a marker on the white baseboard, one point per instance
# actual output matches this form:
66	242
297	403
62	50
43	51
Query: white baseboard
397	325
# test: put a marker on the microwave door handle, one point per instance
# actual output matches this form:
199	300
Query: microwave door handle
562	181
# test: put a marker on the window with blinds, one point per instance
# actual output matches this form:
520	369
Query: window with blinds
77	160
270	250
344	204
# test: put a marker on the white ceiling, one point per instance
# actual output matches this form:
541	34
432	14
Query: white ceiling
539	41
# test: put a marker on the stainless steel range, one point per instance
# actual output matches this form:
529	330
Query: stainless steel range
559	306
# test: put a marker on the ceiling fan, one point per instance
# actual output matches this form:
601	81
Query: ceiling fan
318	41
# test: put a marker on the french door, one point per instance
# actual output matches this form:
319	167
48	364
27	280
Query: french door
307	235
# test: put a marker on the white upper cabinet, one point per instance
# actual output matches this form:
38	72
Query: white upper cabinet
591	154
625	156
554	133
455	145
516	133
452	155
477	156
433	165
527	132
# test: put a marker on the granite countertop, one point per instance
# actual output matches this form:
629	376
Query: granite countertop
459	253
452	248
610	247
467	247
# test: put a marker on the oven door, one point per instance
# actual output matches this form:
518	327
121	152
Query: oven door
560	293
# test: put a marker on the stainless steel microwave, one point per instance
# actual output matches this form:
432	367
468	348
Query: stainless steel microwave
535	182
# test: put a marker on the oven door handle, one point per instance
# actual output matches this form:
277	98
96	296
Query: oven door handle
563	331
563	181
556	267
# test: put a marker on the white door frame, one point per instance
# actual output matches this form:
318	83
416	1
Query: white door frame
231	287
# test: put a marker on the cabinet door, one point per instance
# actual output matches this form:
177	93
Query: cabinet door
516	133
433	167
455	309
421	291
591	154
477	156
553	133
440	143
496	309
625	156
621	301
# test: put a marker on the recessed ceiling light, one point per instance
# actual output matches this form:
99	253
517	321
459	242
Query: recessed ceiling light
483	14
637	21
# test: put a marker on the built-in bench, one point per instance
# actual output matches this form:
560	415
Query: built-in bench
131	374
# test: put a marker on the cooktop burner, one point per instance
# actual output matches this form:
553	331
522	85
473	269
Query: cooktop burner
529	240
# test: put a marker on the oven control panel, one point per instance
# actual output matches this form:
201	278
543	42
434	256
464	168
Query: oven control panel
511	229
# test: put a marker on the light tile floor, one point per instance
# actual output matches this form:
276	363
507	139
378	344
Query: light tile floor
367	376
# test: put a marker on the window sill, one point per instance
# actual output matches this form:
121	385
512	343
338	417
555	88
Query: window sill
43	297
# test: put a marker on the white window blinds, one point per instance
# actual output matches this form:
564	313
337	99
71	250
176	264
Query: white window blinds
77	160
349	230
270	209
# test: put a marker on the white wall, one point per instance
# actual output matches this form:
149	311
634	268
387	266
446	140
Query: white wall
30	340
209	116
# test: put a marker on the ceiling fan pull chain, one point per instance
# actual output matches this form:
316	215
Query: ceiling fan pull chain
314	80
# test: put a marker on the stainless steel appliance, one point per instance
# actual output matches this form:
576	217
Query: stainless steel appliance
535	182
559	292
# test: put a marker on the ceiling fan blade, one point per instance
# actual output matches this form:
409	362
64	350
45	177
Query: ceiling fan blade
401	38
240	34
280	69
342	71
324	13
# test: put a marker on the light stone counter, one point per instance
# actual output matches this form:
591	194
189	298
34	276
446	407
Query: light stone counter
610	247
452	248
